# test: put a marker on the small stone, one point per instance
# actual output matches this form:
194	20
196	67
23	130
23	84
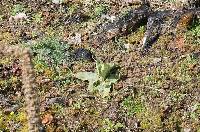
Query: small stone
56	100
187	130
13	108
157	60
18	16
76	39
110	18
57	1
83	54
127	46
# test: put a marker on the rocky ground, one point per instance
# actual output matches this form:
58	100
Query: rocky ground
158	91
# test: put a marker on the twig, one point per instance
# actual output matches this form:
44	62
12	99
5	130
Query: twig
28	80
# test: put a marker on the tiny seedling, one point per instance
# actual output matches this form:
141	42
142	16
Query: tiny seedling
193	34
17	9
51	52
1	17
111	126
100	9
102	79
132	106
38	17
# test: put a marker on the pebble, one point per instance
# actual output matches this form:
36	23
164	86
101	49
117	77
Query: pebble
187	130
57	1
76	39
18	16
83	54
157	60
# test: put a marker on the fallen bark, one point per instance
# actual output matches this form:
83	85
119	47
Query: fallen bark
157	23
122	25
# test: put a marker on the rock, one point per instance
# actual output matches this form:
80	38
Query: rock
76	39
157	60
110	18
4	101
56	100
57	1
13	108
18	16
187	130
83	54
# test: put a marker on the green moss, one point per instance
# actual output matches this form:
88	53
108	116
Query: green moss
9	84
5	60
195	114
37	18
157	77
97	10
182	70
16	118
150	119
137	36
17	9
109	126
1	17
193	34
72	9
51	52
100	9
132	106
7	37
2	122
176	96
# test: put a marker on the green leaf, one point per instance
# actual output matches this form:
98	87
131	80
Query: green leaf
118	125
102	80
104	69
104	89
98	67
91	87
113	78
87	76
111	81
17	9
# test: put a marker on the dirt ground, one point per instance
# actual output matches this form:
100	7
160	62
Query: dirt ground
157	91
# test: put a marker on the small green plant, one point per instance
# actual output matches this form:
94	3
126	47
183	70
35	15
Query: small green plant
132	106
50	56
77	105
17	9
183	72
98	10
38	17
102	79
1	17
193	34
111	126
7	119
72	9
176	96
195	113
50	52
